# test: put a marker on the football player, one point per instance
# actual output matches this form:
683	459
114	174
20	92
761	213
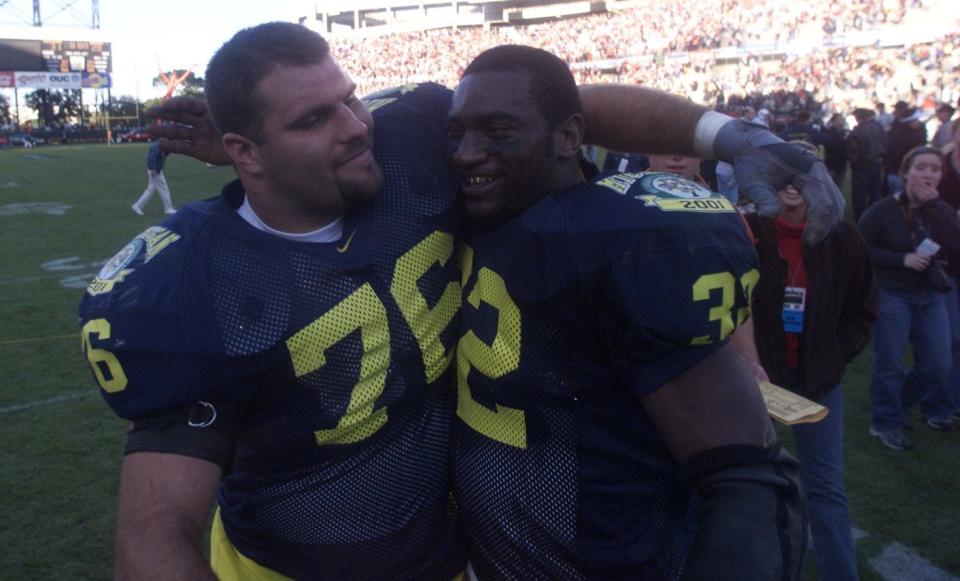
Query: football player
316	329
596	385
291	337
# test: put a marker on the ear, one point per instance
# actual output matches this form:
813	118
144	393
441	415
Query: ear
244	153
569	136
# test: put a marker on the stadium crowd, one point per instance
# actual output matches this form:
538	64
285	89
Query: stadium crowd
613	42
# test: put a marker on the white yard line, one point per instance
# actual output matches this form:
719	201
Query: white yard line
899	563
31	278
73	396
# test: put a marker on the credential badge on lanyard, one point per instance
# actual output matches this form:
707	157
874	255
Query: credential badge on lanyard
794	302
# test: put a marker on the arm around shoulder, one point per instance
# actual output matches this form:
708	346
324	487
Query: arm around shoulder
164	504
639	119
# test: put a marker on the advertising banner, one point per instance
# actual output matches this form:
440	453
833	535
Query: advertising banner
48	80
96	80
7	80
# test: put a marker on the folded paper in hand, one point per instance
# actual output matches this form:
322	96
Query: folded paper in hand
789	408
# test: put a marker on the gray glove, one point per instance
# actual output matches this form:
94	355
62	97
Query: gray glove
763	163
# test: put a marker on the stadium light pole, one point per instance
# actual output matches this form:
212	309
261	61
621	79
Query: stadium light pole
136	85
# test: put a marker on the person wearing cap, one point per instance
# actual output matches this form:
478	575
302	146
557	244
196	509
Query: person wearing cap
884	117
942	137
864	147
834	138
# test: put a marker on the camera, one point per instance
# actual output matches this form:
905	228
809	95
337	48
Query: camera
938	277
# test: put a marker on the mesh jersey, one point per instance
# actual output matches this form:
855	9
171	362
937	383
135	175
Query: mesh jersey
340	354
591	299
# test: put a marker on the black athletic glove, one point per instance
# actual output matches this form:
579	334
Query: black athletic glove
752	523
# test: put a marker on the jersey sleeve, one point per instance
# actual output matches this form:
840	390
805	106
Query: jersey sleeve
677	277
146	351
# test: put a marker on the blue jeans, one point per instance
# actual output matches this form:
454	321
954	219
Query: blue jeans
820	449
942	404
920	318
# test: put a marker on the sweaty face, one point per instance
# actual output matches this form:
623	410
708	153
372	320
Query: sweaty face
315	141
500	144
676	164
925	169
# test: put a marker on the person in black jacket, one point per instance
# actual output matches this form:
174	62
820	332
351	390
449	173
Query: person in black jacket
907	132
905	234
833	138
812	312
865	147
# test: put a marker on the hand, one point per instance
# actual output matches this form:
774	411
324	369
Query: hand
763	164
923	193
917	262
152	173
192	133
759	373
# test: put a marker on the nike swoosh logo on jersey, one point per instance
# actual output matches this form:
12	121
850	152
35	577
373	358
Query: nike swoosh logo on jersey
346	245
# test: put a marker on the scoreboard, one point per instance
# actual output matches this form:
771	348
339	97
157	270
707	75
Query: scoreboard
76	56
55	56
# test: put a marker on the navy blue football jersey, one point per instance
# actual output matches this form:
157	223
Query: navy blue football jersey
572	312
338	353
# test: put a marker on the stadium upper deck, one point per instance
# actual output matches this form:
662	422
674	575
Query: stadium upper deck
376	17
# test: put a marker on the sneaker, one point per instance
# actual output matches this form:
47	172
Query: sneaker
170	211
942	424
137	210
893	439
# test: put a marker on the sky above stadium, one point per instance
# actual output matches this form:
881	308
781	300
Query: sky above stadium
178	33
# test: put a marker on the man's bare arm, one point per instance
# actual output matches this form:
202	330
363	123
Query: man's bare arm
744	341
638	119
716	403
164	505
751	524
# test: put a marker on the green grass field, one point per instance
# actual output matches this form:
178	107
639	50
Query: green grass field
65	210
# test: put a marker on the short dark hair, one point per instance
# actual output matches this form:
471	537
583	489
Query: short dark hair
913	153
552	84
236	68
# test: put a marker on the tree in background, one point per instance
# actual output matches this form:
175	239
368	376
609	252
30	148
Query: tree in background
125	111
192	85
4	111
55	107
